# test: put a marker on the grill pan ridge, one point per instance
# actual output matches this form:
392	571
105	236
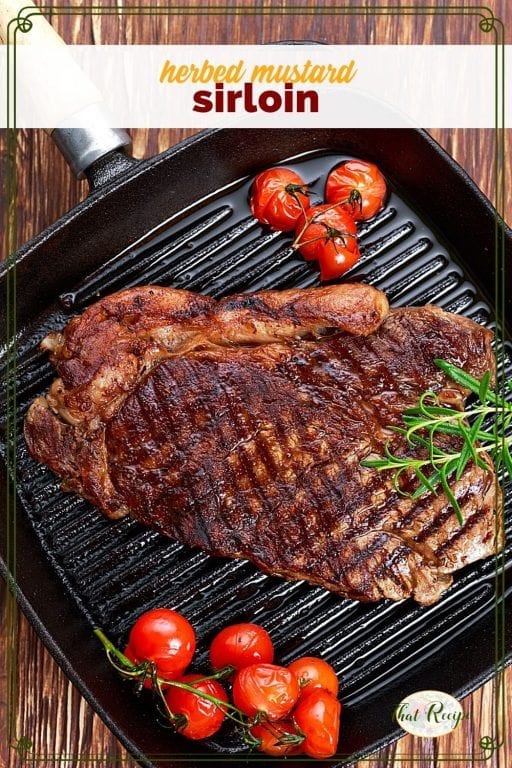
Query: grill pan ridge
113	571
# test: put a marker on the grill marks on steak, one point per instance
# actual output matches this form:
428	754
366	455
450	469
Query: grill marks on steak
254	450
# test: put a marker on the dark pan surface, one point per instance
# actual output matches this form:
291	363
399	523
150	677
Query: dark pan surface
108	573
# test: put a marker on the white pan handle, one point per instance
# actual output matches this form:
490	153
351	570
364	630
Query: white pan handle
41	32
81	125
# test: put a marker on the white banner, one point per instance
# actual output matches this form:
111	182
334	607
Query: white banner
274	86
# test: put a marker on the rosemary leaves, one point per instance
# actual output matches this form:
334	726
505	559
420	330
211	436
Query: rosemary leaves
483	429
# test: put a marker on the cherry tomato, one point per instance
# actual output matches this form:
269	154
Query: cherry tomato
278	197
318	718
312	672
164	637
240	645
131	656
278	739
203	717
265	688
329	235
148	683
360	186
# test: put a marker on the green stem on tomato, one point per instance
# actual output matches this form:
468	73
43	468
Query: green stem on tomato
286	739
354	199
291	739
292	190
224	705
330	234
111	650
307	222
297	189
140	671
178	720
220	674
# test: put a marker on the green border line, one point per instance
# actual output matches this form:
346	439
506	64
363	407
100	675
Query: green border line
22	23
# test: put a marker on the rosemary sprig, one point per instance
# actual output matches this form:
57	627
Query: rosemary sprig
443	461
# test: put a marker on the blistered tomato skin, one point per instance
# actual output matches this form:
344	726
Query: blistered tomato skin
359	186
203	717
278	198
265	688
318	718
164	637
240	645
328	234
313	672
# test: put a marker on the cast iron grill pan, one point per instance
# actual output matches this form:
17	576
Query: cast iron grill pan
112	571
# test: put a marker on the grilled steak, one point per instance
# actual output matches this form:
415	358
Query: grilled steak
239	427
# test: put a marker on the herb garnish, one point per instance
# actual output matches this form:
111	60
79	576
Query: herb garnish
443	462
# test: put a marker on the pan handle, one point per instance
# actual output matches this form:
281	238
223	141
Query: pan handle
81	147
85	148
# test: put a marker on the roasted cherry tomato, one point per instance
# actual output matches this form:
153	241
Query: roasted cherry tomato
240	645
328	234
131	656
318	718
278	197
312	672
148	683
164	637
265	688
203	717
360	186
278	739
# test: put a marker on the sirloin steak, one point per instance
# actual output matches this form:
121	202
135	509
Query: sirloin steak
239	426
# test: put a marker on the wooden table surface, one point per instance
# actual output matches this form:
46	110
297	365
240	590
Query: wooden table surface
51	712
